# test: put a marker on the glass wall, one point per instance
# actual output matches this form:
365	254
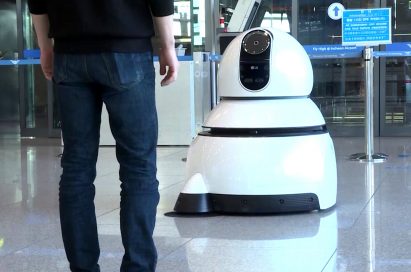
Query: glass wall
396	72
33	86
338	83
182	25
39	115
9	94
339	87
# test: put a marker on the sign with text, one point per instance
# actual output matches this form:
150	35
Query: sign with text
326	51
366	27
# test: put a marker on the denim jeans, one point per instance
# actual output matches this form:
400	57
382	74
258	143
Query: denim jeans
124	82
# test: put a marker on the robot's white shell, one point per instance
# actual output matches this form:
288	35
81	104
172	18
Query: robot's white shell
265	113
263	166
291	72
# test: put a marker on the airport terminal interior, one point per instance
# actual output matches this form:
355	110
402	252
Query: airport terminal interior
368	229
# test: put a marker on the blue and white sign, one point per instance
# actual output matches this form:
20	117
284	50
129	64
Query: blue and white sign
334	51
335	11
366	27
401	46
19	62
401	49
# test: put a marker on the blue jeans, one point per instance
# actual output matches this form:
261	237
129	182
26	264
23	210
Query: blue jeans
125	83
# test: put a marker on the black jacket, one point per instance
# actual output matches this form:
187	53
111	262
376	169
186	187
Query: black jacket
90	26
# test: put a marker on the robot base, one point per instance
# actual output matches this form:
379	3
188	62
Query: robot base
251	204
259	175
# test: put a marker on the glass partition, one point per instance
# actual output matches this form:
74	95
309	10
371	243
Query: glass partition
40	116
9	95
182	26
396	75
338	83
339	93
34	87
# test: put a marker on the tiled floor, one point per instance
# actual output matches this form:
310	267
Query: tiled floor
368	230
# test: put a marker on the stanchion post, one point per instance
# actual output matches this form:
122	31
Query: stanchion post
369	109
369	155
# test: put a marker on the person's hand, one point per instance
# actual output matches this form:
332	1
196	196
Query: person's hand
168	65
46	61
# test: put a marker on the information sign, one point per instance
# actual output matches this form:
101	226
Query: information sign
327	51
366	27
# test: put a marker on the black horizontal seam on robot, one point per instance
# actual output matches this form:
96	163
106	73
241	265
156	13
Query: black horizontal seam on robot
264	132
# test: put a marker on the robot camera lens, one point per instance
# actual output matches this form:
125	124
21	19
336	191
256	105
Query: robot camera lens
256	42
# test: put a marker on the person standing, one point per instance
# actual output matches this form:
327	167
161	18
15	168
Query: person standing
100	52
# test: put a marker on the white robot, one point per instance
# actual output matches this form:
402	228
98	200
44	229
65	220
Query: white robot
266	148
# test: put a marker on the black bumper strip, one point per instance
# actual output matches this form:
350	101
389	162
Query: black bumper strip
264	132
251	204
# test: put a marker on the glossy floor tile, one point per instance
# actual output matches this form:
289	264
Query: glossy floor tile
368	230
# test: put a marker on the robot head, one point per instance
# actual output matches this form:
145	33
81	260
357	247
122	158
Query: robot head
265	63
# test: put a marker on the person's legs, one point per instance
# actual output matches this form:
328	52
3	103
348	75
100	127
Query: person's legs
80	108
130	102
